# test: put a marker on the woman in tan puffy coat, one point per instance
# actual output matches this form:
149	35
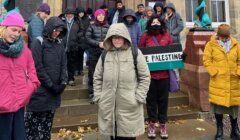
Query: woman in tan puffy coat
117	89
222	60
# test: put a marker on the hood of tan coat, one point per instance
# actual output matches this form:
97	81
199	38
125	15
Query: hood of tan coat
118	29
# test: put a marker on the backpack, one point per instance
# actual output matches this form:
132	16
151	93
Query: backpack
134	54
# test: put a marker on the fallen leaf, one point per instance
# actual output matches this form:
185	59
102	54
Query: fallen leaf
200	129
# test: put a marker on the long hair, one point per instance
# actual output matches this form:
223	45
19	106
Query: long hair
2	31
163	25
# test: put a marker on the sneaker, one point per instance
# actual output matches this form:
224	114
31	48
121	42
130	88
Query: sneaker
71	83
163	131
151	130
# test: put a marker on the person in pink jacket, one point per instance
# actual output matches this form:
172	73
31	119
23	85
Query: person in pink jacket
18	77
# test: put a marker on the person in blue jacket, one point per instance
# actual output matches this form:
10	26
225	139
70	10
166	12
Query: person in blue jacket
134	29
36	22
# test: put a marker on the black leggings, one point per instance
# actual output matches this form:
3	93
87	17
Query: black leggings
123	138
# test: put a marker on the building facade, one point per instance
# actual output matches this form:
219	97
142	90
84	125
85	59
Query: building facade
220	11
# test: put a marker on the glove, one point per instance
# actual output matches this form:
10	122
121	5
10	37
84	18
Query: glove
58	89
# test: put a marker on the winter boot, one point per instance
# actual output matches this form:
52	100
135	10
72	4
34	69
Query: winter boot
163	131
151	130
235	133
219	118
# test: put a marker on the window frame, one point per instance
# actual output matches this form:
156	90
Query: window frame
214	24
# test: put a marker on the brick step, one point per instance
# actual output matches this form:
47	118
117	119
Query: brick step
77	106
72	122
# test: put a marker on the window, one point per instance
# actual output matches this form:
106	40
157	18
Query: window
218	10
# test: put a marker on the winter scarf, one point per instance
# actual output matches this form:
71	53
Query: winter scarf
11	50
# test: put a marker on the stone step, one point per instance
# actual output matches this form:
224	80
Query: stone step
81	92
77	106
72	122
75	92
191	129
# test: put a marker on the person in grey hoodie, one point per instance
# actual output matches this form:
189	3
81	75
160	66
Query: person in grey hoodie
134	29
174	22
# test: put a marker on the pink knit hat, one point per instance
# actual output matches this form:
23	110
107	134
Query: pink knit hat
98	12
13	19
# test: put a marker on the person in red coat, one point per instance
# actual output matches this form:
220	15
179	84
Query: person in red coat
157	97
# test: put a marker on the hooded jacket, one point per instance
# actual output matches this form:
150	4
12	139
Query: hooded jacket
119	92
51	64
224	71
159	4
133	28
174	24
83	23
71	38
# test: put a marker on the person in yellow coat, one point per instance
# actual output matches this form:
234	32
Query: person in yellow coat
222	60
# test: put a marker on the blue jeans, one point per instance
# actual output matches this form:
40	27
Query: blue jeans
12	126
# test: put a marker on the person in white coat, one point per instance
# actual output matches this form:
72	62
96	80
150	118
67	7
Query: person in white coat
120	87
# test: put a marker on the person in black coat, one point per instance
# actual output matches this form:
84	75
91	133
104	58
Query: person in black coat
51	65
71	42
116	15
83	23
95	36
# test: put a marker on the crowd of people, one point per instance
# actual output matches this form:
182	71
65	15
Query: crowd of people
36	72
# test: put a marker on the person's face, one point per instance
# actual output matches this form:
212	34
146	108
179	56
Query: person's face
81	14
224	39
129	19
159	9
119	5
117	41
169	10
12	34
43	15
101	17
141	9
149	13
155	22
69	16
56	32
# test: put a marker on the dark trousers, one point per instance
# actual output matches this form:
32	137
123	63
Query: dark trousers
123	138
157	100
38	125
71	65
12	126
91	69
79	60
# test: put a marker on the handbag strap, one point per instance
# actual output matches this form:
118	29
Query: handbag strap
155	41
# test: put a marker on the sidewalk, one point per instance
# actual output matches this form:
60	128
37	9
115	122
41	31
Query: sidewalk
183	130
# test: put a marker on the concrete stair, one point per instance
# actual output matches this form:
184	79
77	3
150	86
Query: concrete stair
76	111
